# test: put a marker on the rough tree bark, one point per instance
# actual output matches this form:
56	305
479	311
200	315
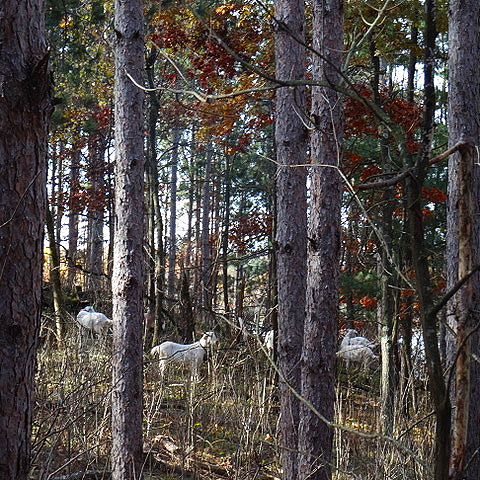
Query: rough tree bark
157	271
25	108
463	232
73	217
323	254
95	172
127	280
291	148
54	276
205	237
436	382
172	242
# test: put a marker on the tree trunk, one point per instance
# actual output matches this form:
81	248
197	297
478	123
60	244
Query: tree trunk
463	233
172	243
157	266
127	280
186	311
324	232
205	237
239	290
95	172
291	243
25	108
436	381
55	281
225	233
386	320
73	218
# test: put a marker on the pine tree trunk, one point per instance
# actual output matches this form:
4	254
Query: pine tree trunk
225	233
324	233
94	259
73	219
127	280
463	233
25	108
436	381
291	149
386	320
55	281
172	243
157	265
205	236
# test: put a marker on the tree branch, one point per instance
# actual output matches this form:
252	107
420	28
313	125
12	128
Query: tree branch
393	181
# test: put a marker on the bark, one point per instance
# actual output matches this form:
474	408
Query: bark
157	255
388	376
73	219
95	214
60	195
216	238
324	232
239	290
127	280
191	194
225	233
463	233
436	381
186	311
54	276
153	109
205	236
172	244
25	108
291	148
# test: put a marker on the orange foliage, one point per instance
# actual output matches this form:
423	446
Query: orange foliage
427	213
249	229
370	171
434	195
368	302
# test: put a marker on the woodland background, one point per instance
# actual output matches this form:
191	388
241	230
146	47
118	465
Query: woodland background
211	209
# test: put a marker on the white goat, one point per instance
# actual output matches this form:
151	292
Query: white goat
357	350
268	341
94	321
191	354
350	333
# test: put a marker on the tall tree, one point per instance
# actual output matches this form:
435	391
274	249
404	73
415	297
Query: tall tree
427	312
205	234
74	187
463	231
25	108
127	279
291	243
324	232
172	243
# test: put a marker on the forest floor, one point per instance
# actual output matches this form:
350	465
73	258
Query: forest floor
223	427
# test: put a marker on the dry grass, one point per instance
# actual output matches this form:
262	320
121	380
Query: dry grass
225	426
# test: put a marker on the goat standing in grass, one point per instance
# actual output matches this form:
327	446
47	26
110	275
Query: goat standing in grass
93	322
268	342
356	349
190	355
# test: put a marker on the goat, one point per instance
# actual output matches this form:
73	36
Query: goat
358	354
94	321
268	341
354	348
191	354
350	333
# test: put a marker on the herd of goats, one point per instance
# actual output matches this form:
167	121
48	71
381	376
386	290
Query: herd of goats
353	349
